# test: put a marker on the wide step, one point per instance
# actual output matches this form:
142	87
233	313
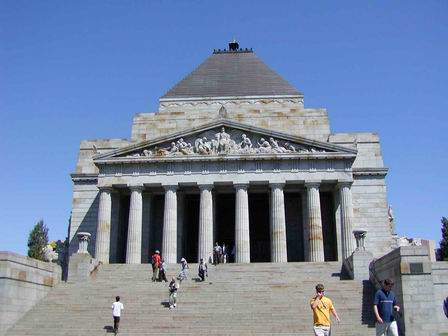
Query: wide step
258	299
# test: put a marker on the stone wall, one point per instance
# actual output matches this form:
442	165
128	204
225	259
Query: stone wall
85	192
23	282
370	213
84	213
411	270
278	115
440	280
369	189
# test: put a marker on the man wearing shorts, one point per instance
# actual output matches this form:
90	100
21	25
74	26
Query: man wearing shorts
322	306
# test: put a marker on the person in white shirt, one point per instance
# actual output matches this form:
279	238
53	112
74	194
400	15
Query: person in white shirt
224	253
117	307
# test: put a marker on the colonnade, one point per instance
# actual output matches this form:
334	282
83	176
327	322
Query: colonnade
313	226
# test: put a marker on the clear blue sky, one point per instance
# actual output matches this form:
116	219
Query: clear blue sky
73	70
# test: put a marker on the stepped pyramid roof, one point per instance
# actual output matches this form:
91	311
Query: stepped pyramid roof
231	73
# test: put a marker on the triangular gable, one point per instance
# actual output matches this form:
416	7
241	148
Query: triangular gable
225	138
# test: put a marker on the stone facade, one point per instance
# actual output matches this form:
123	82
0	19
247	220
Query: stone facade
154	192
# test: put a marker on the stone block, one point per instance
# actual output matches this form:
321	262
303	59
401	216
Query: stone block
80	267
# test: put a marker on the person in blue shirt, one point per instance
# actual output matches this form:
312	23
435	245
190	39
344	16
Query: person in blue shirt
384	305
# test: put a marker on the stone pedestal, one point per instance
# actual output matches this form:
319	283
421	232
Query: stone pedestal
357	265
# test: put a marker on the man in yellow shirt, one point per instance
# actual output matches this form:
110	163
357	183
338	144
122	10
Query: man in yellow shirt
321	307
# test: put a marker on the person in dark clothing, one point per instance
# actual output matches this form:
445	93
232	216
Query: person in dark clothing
202	269
217	251
384	305
162	271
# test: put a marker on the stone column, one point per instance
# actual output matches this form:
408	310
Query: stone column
242	239
103	228
316	241
205	242
169	242
278	224
134	243
347	239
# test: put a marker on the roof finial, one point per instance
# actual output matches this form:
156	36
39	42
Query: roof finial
233	46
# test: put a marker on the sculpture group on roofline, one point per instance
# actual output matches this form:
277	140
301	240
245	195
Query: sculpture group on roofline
223	144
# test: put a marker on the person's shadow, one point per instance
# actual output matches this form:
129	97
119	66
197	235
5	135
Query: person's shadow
165	304
109	329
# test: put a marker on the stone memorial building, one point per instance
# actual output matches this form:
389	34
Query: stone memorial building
231	156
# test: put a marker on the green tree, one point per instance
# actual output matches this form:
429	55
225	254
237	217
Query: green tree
443	250
37	240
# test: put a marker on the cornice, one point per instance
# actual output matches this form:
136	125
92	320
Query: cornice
76	177
370	171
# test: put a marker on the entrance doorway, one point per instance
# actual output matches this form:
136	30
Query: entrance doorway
260	245
225	222
190	229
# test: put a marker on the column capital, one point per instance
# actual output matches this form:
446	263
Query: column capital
312	184
136	187
205	186
342	184
278	185
108	189
239	186
170	187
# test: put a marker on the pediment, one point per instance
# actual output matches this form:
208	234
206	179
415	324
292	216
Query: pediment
224	138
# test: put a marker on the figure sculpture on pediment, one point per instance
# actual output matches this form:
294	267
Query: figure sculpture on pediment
275	146
160	151
289	148
181	143
215	144
147	152
184	148
202	146
188	150
224	141
173	148
245	142
264	146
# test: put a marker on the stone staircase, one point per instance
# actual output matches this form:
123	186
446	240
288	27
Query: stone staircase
236	299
